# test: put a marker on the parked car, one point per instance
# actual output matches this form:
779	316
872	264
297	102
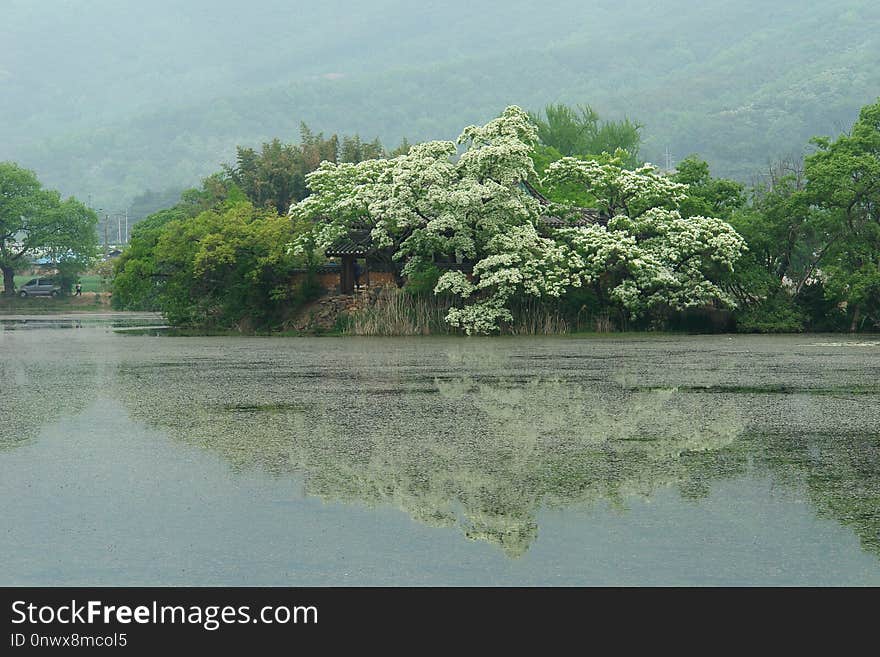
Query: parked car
39	287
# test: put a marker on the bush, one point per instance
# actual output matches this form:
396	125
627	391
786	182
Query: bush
821	313
702	320
307	291
421	282
778	313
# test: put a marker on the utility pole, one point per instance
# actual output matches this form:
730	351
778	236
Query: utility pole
106	221
126	225
668	160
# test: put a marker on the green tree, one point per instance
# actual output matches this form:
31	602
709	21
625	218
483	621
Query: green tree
36	222
272	178
354	149
225	267
707	196
844	181
136	280
211	195
275	176
775	283
578	131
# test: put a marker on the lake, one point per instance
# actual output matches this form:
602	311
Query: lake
133	458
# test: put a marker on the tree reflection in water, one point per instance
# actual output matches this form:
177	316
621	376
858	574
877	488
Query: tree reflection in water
483	453
42	382
482	436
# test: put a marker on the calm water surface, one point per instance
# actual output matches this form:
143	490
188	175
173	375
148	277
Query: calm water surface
130	459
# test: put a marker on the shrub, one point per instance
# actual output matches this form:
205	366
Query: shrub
778	313
422	281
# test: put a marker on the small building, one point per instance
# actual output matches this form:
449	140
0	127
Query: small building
356	245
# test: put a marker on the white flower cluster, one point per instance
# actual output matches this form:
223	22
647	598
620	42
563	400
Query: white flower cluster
427	203
615	189
658	261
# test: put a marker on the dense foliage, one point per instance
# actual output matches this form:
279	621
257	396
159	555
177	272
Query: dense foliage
224	267
647	260
813	229
796	251
250	290
138	279
579	132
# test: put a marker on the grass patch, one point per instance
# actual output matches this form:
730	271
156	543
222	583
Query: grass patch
90	282
47	305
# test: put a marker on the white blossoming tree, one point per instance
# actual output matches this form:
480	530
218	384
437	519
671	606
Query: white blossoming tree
473	207
431	203
647	259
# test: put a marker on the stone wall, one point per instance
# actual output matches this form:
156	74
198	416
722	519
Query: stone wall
322	314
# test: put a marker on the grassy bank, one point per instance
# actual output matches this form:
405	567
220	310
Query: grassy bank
88	302
90	282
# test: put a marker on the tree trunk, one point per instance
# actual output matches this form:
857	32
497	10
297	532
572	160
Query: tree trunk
9	280
857	314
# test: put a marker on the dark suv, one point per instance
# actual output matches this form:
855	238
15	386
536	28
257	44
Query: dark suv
39	287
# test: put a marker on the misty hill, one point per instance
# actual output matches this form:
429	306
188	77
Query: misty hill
113	97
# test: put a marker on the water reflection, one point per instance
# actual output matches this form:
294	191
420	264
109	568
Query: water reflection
840	472
41	384
480	445
39	323
481	436
481	453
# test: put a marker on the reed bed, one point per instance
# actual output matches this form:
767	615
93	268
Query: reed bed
397	312
536	318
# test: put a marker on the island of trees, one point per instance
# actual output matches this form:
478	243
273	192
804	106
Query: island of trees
533	222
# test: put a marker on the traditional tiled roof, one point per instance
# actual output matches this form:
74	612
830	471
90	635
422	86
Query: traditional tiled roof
357	243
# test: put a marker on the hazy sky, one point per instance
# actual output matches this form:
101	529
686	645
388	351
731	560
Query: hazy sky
112	97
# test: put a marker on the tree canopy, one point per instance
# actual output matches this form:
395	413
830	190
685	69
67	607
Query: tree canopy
844	185
36	222
631	243
226	266
429	203
578	131
814	232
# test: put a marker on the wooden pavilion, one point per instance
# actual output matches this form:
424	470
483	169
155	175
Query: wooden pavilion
356	244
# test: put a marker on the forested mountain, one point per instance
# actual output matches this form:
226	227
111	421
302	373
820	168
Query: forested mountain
110	98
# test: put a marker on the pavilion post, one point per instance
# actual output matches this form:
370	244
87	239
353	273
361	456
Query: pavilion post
346	275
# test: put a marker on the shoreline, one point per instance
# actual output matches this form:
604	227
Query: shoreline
98	314
74	314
